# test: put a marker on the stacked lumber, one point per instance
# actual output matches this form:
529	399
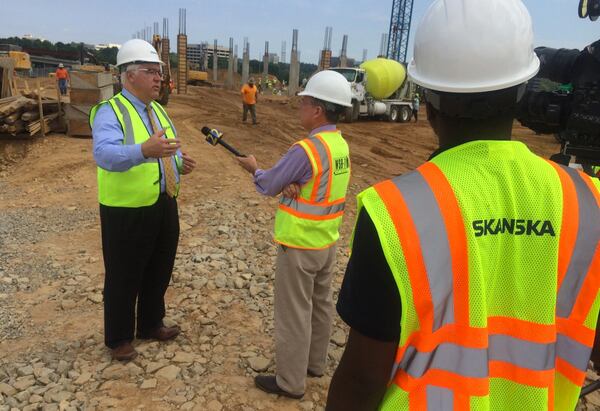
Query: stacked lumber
87	90
20	115
7	80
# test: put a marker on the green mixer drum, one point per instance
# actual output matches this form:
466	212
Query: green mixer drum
384	77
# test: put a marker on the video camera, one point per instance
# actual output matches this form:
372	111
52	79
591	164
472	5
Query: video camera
564	98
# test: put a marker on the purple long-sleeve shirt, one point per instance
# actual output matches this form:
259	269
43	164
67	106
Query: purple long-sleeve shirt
293	167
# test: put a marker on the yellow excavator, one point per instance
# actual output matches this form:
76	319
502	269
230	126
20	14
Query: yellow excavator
16	53
197	78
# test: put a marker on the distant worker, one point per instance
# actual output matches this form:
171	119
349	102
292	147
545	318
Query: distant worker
139	167
415	107
249	100
473	281
259	86
304	81
314	176
62	77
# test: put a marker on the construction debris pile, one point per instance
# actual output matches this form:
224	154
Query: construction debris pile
22	115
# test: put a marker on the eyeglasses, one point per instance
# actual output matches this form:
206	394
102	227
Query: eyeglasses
152	72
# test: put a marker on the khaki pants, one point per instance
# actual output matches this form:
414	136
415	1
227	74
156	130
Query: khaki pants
303	314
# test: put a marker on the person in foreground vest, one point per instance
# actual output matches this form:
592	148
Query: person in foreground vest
139	166
314	176
473	280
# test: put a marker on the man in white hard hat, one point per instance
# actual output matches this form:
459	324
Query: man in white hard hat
139	166
313	176
470	285
62	77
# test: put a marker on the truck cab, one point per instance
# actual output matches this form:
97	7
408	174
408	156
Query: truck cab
356	77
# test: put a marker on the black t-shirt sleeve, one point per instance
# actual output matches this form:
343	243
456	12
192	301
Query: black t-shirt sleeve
369	301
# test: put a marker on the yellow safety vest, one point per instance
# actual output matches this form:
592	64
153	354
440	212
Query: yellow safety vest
140	185
495	254
312	221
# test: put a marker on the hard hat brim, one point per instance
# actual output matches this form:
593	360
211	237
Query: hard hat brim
141	62
325	98
431	84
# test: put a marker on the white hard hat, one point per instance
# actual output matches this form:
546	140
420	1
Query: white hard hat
329	86
60	65
137	50
472	46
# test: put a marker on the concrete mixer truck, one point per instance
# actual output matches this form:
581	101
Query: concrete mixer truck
380	88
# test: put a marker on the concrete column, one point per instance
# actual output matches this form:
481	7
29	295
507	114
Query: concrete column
182	68
266	64
344	53
165	57
229	82
182	64
215	63
294	74
325	61
235	59
205	59
294	66
246	64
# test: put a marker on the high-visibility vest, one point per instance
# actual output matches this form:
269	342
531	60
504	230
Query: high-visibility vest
140	185
312	221
495	255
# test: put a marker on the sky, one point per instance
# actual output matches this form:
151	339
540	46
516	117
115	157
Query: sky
556	23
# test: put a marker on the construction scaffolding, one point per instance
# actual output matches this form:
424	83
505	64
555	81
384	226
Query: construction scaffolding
182	68
325	59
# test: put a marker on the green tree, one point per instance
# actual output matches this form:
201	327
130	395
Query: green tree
107	55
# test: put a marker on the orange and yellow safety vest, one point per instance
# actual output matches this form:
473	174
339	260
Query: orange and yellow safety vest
495	255
312	220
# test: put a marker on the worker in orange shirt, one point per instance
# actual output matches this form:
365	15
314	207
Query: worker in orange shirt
249	99
62	76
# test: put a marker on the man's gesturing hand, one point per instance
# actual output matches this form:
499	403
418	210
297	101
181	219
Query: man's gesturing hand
157	146
188	164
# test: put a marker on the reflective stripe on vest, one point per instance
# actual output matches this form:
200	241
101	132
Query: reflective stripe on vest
313	210
140	185
127	126
579	265
446	362
312	220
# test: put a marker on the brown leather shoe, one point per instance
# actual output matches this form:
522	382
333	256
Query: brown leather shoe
161	333
124	352
268	383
